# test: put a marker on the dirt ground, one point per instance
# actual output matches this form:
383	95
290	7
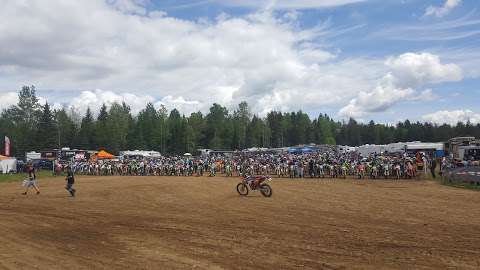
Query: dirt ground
201	223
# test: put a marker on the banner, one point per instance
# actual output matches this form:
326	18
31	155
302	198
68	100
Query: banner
469	174
80	156
7	146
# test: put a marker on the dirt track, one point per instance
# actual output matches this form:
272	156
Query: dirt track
201	223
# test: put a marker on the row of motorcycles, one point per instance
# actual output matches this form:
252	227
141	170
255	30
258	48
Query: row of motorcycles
364	170
260	183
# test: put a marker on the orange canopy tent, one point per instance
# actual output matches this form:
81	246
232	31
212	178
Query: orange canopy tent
102	154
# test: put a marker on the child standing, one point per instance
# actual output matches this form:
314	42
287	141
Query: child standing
31	181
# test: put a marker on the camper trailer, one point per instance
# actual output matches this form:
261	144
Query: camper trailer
464	148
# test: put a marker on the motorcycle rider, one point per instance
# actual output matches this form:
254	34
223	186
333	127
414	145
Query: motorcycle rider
254	181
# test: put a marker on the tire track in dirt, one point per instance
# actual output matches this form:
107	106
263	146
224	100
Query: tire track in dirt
178	223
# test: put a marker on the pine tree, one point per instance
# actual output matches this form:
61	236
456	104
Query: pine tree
177	137
102	134
23	120
216	127
197	125
117	126
66	128
47	132
86	135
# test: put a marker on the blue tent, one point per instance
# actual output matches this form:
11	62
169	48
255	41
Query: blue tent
306	150
300	150
293	150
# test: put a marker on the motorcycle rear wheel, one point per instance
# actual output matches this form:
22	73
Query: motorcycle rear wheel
266	190
242	189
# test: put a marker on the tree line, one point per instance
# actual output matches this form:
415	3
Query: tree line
33	126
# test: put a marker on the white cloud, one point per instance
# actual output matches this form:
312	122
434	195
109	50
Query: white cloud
442	10
453	117
148	56
406	73
415	69
288	4
382	97
184	106
8	99
130	6
428	30
11	98
425	95
95	99
257	57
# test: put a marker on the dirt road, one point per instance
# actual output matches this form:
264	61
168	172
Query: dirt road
201	223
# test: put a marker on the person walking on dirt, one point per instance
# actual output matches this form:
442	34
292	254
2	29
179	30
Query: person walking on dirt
433	166
31	181
70	181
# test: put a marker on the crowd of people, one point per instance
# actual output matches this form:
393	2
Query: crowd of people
326	164
321	164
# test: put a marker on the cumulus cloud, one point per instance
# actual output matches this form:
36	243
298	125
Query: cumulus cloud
440	11
11	98
407	72
415	69
8	99
452	117
263	59
95	99
184	106
425	95
383	96
144	56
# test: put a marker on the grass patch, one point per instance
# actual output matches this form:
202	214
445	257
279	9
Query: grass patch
15	177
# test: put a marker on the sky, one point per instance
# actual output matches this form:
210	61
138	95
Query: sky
381	60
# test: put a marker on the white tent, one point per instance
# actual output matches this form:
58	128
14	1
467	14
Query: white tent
153	154
8	165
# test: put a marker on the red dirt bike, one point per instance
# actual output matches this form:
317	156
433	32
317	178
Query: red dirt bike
255	183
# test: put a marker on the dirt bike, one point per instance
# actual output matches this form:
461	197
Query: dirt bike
255	183
360	173
343	171
398	172
374	172
386	171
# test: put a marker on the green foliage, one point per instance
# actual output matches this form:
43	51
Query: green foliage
47	132
22	121
66	128
86	135
31	126
102	138
217	128
117	125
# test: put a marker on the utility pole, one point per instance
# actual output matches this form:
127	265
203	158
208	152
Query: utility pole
58	132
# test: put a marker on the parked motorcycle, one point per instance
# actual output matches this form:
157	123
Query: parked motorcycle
255	183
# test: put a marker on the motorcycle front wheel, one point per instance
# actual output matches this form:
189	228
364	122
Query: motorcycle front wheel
242	189
266	190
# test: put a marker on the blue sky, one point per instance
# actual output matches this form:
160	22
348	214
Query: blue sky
371	59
